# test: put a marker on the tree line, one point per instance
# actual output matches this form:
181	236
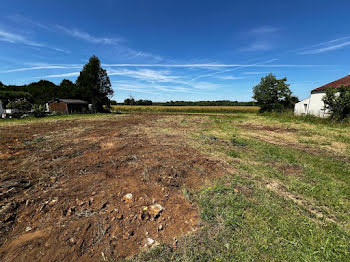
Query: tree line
92	85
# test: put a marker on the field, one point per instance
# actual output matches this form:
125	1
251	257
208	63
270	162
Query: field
174	187
186	109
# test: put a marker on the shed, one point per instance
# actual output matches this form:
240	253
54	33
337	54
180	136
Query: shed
68	106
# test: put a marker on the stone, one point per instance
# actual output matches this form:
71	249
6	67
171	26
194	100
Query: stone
148	242
155	210
72	241
160	227
128	198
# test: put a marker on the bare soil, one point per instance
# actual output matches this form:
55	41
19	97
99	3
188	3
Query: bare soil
82	190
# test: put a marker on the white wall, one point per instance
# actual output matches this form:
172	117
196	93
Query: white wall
301	107
315	106
1	109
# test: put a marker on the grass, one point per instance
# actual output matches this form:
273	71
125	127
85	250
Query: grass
285	202
187	109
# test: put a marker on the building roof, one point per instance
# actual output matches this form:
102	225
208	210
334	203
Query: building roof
345	81
69	101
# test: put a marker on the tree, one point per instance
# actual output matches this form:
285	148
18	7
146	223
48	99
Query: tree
67	89
337	101
273	94
129	101
93	84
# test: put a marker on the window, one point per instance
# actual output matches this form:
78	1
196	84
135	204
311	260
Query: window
305	107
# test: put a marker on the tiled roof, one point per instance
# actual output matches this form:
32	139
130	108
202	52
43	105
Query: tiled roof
345	81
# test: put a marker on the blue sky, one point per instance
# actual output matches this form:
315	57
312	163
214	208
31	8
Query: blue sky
177	50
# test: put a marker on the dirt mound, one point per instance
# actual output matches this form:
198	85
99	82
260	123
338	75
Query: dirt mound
79	190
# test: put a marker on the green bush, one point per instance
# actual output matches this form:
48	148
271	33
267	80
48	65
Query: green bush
337	100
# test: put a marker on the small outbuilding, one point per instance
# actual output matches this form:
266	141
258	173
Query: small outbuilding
68	106
314	105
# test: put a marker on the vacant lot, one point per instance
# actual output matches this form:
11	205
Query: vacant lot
195	187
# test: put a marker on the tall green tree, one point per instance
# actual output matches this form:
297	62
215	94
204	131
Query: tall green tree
93	84
337	101
273	94
67	89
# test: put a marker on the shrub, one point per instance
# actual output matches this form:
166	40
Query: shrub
21	104
337	101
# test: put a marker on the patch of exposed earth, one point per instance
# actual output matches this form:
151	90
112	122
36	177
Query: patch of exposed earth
82	190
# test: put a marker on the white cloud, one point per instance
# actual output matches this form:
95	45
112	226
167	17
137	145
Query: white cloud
230	77
325	46
16	38
255	73
41	67
60	75
262	38
89	38
145	74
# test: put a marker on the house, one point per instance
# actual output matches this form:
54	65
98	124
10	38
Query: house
68	106
314	104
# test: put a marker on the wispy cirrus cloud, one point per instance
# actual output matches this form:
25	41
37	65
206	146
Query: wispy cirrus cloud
61	75
203	66
13	38
230	77
88	37
324	47
145	74
16	38
261	38
41	67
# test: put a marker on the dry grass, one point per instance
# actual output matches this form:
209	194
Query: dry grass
187	109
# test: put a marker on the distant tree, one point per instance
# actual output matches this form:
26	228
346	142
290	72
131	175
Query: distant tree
67	89
337	101
43	91
129	101
1	84
93	84
113	102
273	94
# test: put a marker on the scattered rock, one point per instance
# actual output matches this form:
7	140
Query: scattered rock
28	229
93	193
155	210
160	227
128	198
148	242
53	201
72	241
119	216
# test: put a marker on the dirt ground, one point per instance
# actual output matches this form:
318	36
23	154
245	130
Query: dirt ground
95	188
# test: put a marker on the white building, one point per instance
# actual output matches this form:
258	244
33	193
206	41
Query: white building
314	104
1	108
